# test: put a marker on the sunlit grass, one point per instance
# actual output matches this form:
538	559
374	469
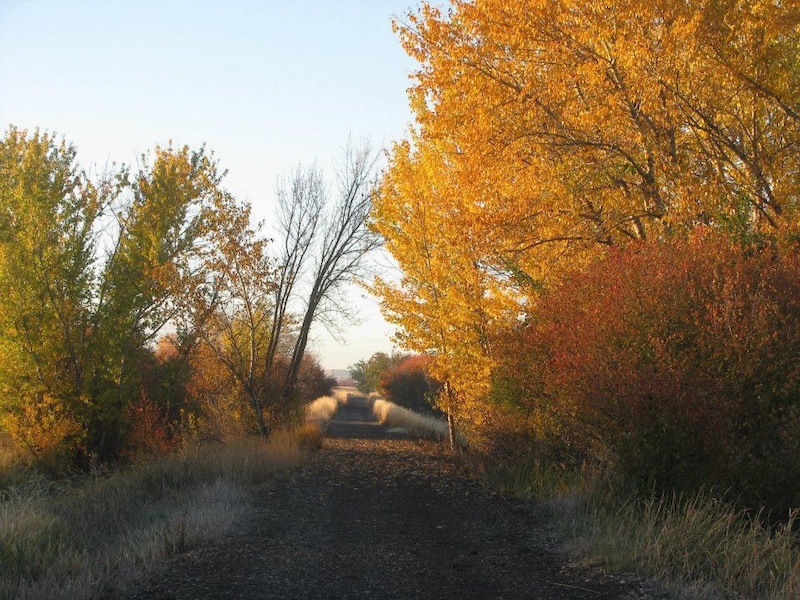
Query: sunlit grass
706	547
321	410
75	539
392	415
341	393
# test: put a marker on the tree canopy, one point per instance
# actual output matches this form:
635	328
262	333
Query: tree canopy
547	132
94	271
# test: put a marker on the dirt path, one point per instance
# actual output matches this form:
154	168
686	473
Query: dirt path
376	517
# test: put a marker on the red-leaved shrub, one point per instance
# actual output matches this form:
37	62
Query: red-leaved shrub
673	365
150	432
409	385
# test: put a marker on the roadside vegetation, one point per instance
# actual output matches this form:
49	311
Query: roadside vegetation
153	363
701	546
661	427
141	309
696	545
93	533
80	537
403	379
397	417
405	395
596	220
320	411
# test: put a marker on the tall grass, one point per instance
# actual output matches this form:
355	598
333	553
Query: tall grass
341	393
700	546
76	539
320	411
392	415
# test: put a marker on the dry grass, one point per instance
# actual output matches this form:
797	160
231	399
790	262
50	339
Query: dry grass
529	480
341	393
701	547
52	546
310	436
392	415
320	411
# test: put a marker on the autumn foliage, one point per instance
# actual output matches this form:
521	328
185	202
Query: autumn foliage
671	365
94	270
408	384
595	217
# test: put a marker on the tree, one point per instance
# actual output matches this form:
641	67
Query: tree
93	272
447	300
48	210
234	318
312	383
90	274
215	406
151	274
301	199
548	132
358	373
601	123
368	373
339	239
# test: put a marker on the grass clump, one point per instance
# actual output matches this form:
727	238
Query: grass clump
320	411
318	415
342	393
417	424
698	545
78	539
705	546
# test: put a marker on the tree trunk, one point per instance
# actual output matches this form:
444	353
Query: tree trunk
451	430
299	350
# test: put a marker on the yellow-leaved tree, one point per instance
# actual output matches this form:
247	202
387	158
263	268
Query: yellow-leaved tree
447	300
617	119
548	131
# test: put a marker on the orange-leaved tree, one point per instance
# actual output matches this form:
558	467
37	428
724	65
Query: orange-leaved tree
615	120
548	131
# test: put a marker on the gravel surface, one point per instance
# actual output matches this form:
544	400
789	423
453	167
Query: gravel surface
382	517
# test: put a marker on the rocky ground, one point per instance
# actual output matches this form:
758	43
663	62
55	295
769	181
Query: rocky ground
379	516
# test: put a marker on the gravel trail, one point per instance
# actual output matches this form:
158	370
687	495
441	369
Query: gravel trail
383	517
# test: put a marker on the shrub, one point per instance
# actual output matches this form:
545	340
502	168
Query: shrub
215	409
312	382
43	431
673	365
407	384
150	432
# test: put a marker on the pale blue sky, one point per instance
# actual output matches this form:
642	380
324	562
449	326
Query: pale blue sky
266	85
